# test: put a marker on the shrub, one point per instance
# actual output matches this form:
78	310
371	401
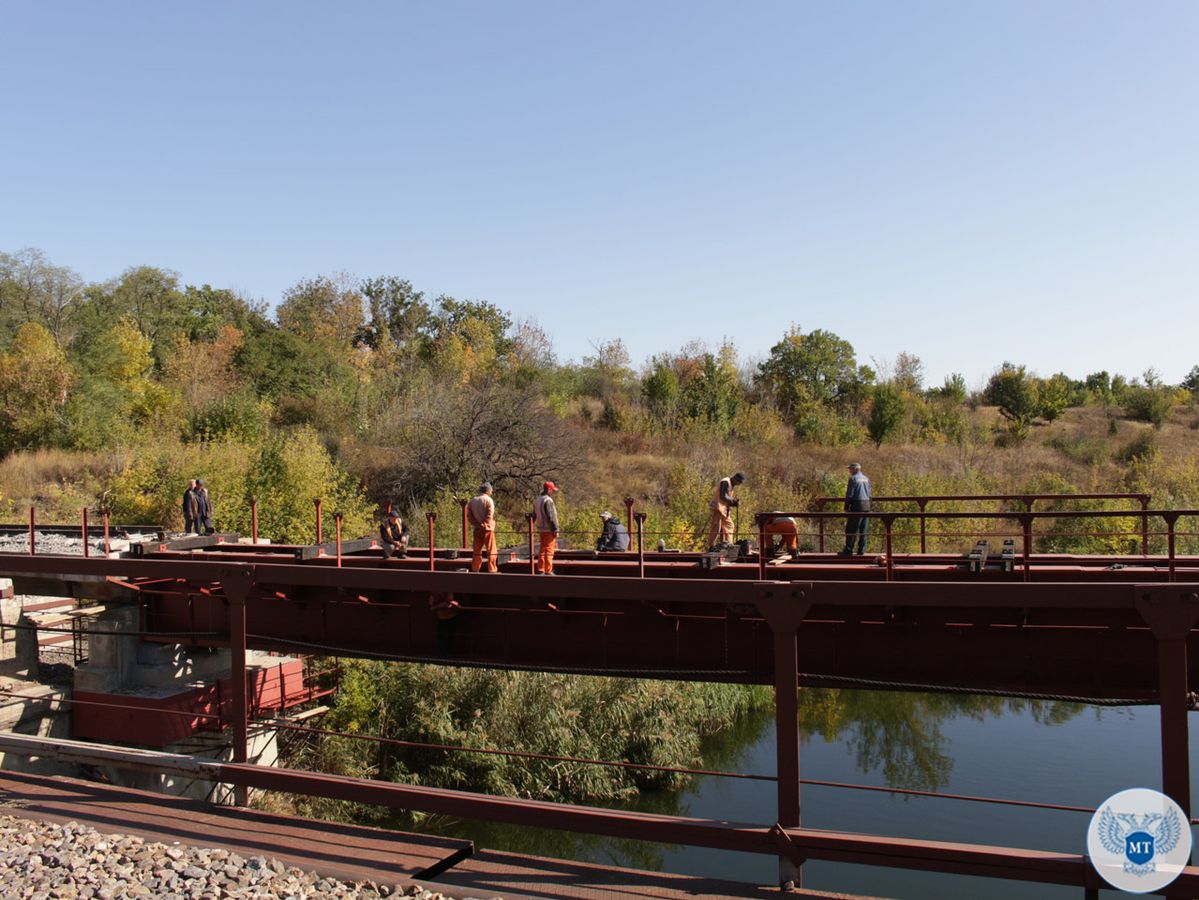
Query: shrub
1142	447
1149	404
651	722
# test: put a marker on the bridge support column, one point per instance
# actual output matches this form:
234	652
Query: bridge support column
1171	614
784	606
236	585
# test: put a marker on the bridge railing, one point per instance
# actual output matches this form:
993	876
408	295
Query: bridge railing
923	501
1026	520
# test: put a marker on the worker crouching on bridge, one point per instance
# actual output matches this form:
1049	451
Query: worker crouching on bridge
615	537
545	519
393	535
787	532
857	500
720	531
480	512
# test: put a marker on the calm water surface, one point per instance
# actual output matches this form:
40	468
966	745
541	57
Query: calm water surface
1058	753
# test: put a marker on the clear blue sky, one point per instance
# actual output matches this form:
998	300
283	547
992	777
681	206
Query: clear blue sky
967	181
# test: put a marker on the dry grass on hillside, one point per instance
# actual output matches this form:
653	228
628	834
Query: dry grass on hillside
58	482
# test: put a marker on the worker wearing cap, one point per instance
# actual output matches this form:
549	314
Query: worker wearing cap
393	535
615	537
857	500
545	520
720	531
480	512
785	529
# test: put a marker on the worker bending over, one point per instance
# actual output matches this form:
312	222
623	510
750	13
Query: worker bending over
720	531
480	512
545	519
393	535
615	537
787	532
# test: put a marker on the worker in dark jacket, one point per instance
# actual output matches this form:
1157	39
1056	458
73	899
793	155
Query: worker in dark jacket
203	509
190	507
615	537
857	500
393	535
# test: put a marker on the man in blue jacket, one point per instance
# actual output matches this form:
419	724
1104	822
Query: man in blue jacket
857	499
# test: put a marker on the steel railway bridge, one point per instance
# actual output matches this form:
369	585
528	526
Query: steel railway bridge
1111	629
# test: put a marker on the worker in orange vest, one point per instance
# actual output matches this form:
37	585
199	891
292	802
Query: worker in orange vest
786	530
545	519
720	531
480	512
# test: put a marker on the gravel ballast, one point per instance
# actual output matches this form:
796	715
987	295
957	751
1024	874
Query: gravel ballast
52	861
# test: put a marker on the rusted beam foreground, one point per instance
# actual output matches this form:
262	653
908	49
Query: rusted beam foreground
798	844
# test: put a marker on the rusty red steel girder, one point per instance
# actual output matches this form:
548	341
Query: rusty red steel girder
1103	633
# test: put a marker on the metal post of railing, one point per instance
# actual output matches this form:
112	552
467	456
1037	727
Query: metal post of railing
922	503
85	548
640	518
253	520
1026	526
888	521
463	503
532	553
337	522
820	528
1171	518
107	545
32	529
628	513
320	531
761	547
432	517
1144	525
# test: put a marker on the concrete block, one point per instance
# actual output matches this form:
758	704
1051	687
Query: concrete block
18	646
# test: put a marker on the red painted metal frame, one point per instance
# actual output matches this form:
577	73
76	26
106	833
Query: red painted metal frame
1101	633
922	501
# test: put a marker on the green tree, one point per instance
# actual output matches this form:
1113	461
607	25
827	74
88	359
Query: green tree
887	411
1054	396
31	408
32	289
1015	393
813	368
711	397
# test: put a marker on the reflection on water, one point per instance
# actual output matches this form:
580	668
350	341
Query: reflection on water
900	734
1017	749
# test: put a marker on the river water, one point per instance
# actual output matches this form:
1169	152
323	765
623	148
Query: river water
1025	750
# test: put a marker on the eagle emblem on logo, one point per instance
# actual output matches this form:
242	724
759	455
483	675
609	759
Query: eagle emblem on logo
1139	839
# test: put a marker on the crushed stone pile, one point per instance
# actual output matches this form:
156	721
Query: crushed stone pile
67	544
51	861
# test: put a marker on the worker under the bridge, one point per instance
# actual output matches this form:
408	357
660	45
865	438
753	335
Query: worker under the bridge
545	519
720	531
480	512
